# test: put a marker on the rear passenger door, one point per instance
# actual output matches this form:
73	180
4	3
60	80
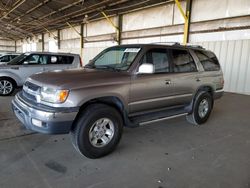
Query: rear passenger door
59	62
185	75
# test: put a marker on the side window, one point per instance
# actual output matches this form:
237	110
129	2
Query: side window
208	60
4	58
43	60
159	58
183	61
57	59
32	59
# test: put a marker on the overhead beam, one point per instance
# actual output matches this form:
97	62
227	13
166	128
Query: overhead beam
12	9
31	10
66	17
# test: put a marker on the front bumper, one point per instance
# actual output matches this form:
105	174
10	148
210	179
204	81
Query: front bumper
51	120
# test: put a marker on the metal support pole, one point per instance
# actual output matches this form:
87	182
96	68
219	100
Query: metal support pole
186	15
82	39
42	42
120	19
15	46
58	39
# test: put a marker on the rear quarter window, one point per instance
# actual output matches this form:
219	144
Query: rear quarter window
61	59
208	60
183	61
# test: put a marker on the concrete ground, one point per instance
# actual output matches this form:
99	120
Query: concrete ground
171	154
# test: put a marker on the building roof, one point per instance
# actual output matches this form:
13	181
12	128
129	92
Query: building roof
26	18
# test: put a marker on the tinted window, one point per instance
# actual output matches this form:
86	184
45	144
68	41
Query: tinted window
208	60
31	59
57	59
182	61
13	56
35	59
159	58
4	58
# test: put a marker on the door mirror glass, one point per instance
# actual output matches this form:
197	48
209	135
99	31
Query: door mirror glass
146	68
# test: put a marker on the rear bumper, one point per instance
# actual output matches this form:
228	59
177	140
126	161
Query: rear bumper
48	121
218	94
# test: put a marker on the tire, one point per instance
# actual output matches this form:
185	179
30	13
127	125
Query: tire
88	139
7	86
202	108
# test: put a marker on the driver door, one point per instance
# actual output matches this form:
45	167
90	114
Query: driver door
154	90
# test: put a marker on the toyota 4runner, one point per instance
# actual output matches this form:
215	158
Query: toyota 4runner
127	85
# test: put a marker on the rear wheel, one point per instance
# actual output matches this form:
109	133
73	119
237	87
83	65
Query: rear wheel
97	131
202	108
7	86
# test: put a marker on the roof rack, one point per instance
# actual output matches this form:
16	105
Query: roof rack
168	43
195	46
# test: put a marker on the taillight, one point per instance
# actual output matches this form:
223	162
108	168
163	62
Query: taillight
222	82
81	63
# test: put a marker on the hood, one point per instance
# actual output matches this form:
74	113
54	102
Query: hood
78	78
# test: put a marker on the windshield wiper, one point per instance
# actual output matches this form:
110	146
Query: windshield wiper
107	67
90	66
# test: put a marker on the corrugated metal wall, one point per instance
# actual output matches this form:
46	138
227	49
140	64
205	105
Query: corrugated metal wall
234	56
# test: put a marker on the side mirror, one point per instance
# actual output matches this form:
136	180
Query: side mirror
90	61
146	68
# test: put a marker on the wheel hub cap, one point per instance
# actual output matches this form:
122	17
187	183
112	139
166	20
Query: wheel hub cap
5	87
203	108
101	132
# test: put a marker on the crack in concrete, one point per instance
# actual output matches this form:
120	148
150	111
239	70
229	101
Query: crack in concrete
18	136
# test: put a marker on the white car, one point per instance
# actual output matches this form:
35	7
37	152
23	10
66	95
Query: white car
14	73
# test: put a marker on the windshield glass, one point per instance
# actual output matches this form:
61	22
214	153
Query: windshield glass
116	58
18	60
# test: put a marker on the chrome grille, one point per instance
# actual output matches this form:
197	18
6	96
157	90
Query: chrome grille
30	90
31	86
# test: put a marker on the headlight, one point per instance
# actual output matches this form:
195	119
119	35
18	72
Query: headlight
53	95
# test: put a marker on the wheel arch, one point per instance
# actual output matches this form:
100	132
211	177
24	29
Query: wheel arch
9	78
201	89
112	101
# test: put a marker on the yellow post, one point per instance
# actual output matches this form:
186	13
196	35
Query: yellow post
81	37
112	23
49	32
185	16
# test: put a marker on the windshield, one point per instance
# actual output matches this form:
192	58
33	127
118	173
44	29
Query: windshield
17	60
116	58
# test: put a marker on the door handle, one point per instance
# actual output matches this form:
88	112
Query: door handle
198	79
168	82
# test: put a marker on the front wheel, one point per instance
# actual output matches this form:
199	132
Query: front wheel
97	131
202	108
7	87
